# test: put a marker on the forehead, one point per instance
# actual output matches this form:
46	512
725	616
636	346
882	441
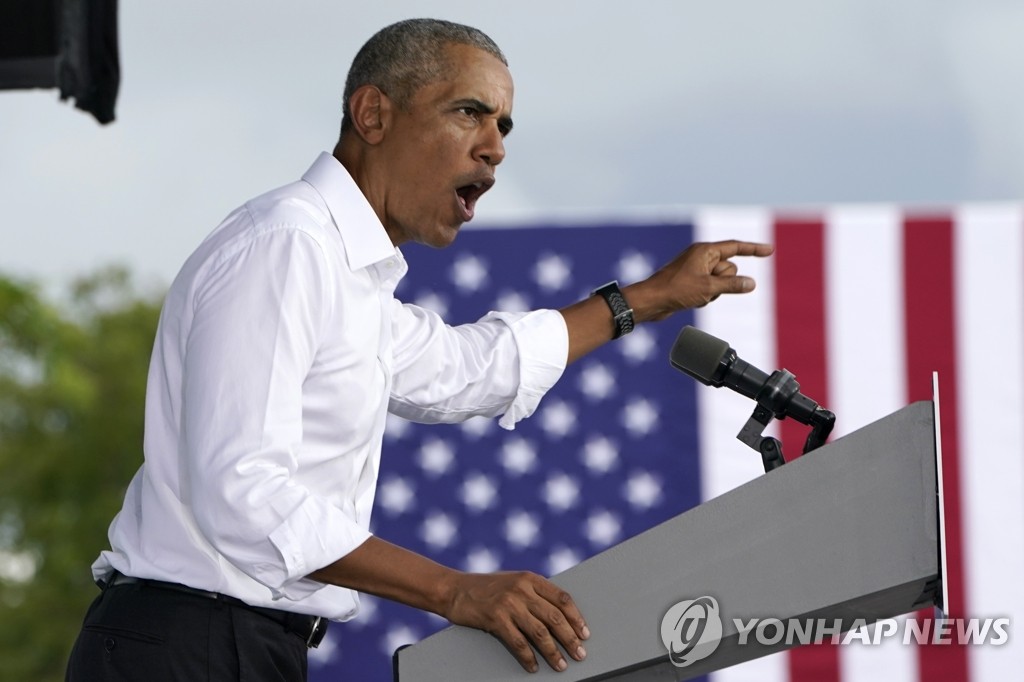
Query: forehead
472	73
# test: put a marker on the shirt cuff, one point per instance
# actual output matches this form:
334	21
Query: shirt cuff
315	535
542	340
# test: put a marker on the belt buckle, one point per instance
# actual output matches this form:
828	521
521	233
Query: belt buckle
316	634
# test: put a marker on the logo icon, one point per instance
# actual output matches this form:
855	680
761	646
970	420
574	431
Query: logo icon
691	630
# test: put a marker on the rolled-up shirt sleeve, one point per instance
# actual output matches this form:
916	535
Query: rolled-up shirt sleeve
502	364
259	313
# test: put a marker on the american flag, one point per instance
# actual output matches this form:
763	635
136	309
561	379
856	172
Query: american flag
861	303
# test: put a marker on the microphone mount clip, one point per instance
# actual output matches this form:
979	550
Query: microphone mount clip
773	401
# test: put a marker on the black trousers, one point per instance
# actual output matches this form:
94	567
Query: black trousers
141	633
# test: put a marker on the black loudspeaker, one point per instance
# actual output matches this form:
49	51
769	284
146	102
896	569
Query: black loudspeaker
66	44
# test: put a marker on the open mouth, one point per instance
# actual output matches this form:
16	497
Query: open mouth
469	194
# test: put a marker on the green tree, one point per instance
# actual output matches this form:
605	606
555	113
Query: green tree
72	384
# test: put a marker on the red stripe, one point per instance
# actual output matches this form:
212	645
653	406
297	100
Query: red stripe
931	346
801	328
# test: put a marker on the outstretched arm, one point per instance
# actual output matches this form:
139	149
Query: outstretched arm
694	278
523	610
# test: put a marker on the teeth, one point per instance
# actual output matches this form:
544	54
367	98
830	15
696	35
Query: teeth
472	188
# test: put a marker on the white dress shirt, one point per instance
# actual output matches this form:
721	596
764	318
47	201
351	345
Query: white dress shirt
280	350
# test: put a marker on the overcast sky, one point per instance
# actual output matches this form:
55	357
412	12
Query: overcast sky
618	106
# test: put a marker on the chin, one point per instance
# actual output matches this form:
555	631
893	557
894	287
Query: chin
441	237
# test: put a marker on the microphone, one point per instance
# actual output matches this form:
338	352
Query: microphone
712	362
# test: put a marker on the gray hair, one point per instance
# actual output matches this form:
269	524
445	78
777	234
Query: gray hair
403	57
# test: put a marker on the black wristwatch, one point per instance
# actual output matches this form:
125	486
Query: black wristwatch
621	312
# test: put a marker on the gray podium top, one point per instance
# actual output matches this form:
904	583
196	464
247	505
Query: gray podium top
849	531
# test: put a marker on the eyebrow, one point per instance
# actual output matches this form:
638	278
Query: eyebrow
504	122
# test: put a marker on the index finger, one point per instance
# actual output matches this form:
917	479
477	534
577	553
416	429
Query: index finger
735	247
564	602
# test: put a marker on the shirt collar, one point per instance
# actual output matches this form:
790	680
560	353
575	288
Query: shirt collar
366	241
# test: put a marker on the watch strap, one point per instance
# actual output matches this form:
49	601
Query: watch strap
622	314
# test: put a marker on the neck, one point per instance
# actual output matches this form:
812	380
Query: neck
354	157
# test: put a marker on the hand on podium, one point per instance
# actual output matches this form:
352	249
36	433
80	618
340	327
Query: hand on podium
520	609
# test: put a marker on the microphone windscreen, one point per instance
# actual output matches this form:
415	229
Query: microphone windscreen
698	353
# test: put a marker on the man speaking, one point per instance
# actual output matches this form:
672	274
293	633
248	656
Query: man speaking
280	350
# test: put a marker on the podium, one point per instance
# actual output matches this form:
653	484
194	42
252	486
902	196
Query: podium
849	533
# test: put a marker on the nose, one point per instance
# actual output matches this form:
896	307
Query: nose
491	147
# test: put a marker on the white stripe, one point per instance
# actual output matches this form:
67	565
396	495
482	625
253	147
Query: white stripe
867	367
864	314
747	322
989	253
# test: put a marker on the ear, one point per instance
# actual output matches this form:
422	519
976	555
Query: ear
370	109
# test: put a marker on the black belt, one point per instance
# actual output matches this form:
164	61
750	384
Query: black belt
310	628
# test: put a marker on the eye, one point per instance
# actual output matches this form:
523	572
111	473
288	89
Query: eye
469	111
